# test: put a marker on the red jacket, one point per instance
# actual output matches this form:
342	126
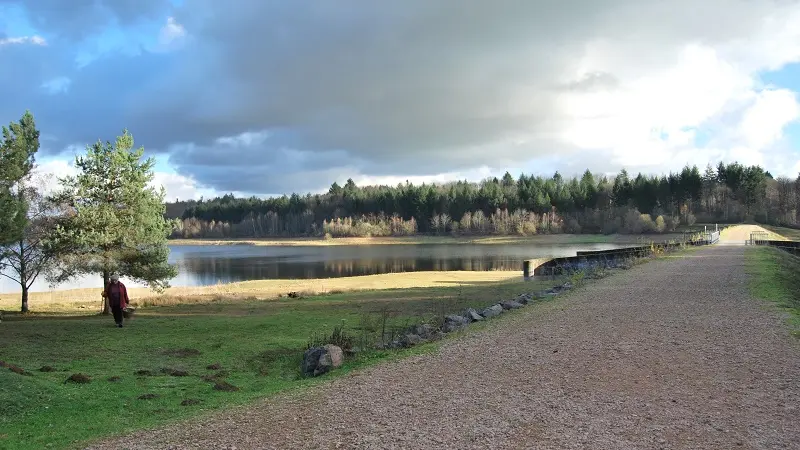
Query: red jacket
123	294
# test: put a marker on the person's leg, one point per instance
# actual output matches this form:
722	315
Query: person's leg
118	315
116	310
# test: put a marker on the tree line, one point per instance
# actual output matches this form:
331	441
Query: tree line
105	219
725	193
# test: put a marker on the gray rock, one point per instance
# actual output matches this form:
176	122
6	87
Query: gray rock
437	335
492	311
522	299
473	315
321	360
424	330
311	362
511	305
409	340
460	320
336	355
449	327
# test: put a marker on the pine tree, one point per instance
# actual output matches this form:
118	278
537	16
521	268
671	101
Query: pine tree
116	221
19	144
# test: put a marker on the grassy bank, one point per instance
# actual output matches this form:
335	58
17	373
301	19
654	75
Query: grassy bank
775	276
88	301
253	345
788	233
424	239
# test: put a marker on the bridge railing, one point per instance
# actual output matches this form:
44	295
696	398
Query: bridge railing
758	238
792	247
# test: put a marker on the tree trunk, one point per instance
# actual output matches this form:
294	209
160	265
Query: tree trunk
106	280
24	308
23	276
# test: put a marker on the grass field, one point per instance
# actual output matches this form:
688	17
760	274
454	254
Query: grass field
418	240
257	345
788	233
775	276
88	301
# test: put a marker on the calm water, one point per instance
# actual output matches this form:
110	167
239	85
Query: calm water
207	265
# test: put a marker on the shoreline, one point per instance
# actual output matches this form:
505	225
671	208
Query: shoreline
438	240
77	299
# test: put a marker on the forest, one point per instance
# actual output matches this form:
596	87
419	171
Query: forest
727	193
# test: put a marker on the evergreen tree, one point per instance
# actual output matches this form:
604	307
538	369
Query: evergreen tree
115	221
19	144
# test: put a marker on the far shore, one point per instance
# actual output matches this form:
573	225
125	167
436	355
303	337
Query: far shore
423	239
88	300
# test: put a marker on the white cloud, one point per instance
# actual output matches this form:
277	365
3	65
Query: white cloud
171	34
180	187
763	123
176	186
33	40
59	85
49	171
393	180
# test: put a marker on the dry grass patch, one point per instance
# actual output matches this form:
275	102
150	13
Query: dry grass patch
88	301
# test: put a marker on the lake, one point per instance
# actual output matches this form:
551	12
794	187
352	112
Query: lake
200	265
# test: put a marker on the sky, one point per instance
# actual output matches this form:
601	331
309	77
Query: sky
259	97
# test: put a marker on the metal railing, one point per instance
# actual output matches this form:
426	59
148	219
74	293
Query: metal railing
758	238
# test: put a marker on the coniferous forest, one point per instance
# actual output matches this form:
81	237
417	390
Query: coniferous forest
727	193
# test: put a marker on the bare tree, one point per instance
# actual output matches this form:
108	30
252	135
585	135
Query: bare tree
30	256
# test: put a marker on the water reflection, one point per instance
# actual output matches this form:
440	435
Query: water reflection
208	265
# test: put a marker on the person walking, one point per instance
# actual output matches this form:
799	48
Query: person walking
117	296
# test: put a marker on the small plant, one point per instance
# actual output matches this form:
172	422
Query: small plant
148	396
338	337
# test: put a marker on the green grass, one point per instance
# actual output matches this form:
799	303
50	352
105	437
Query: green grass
775	276
258	343
789	233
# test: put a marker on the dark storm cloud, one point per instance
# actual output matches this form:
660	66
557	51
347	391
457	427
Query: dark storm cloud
405	87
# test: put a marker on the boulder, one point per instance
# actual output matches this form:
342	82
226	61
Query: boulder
424	331
524	299
461	320
473	315
492	311
320	360
410	340
454	322
511	305
336	354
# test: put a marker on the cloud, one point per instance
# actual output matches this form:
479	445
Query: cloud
33	40
48	172
171	35
57	85
180	187
763	122
271	97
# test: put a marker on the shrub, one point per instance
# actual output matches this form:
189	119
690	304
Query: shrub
660	224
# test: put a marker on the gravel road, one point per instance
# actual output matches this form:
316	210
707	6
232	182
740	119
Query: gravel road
670	354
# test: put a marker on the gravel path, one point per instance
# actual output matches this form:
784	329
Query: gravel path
670	354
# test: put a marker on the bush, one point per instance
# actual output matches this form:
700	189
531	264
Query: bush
338	337
660	224
647	224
